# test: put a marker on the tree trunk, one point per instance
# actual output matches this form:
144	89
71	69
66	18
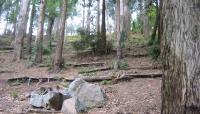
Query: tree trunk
156	25
117	22
180	49
146	20
58	60
126	17
88	16
98	18
21	31
29	40
83	23
49	31
103	28
40	32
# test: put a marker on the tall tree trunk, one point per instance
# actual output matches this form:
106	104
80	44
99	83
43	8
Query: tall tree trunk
117	22
83	23
21	31
181	56
146	20
40	32
103	27
88	15
58	60
29	40
156	25
126	17
49	31
98	18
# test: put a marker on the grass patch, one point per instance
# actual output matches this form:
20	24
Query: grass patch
106	82
14	94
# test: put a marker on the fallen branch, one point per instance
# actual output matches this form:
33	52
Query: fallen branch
96	70
6	48
18	81
86	64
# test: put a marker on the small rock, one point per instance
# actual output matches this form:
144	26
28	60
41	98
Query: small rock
72	106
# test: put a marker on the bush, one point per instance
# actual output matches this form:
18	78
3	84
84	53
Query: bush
46	51
88	40
123	65
154	51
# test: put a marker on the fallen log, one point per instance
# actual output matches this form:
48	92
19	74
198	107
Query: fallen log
86	78
6	71
41	111
136	55
96	70
6	48
145	67
86	64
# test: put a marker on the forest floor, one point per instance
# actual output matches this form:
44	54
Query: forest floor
135	96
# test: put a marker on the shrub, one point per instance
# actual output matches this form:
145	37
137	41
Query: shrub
154	51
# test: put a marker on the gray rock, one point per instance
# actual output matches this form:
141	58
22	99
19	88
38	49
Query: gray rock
47	99
90	95
72	106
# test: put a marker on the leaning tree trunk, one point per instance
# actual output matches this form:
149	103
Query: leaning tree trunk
181	57
29	40
103	27
58	60
40	32
21	31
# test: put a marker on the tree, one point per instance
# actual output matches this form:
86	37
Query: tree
181	63
146	19
103	27
40	32
58	60
21	31
88	16
29	40
98	18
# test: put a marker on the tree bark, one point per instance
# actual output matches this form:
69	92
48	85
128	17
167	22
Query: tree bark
98	18
117	22
58	60
83	23
146	20
21	31
103	27
49	31
39	37
29	40
127	17
180	50
88	16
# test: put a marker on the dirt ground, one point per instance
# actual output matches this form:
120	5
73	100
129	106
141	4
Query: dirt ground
136	96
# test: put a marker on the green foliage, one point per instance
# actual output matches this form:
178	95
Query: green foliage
123	65
47	51
136	26
106	82
14	94
86	40
154	51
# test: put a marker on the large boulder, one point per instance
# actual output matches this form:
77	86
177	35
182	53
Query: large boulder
90	95
45	98
72	106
